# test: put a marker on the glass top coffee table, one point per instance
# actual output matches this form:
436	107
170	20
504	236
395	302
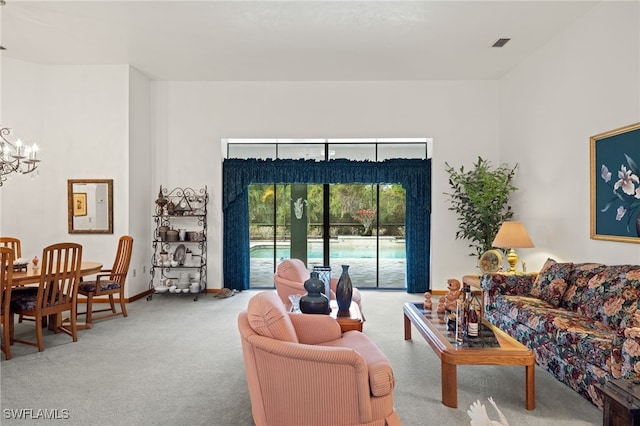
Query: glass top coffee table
494	347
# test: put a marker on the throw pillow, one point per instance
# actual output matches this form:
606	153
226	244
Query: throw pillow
551	282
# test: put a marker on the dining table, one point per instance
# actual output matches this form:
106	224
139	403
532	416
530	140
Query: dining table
33	274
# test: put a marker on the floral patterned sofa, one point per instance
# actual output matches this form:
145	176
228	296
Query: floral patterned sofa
582	320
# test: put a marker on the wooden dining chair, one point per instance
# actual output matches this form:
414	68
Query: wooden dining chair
12	243
56	293
109	282
6	276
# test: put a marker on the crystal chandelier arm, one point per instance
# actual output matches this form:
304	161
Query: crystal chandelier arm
14	158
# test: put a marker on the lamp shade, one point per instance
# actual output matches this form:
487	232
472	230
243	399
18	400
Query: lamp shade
512	234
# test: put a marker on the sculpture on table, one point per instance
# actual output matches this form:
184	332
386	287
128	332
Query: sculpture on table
448	301
427	301
314	302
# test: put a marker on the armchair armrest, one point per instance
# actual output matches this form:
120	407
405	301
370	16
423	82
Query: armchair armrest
285	287
291	368
106	275
314	329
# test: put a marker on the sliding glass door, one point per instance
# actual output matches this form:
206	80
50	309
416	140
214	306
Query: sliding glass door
361	225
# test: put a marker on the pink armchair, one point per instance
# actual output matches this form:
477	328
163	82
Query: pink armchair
290	277
302	371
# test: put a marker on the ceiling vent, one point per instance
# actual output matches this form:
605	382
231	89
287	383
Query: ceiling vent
501	42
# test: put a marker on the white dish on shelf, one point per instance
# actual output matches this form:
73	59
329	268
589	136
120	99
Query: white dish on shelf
185	290
161	289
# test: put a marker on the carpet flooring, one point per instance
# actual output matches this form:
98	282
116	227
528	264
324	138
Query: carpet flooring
174	361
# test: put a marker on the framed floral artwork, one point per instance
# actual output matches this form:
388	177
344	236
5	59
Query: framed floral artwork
615	185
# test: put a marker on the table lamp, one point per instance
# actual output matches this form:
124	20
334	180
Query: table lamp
512	234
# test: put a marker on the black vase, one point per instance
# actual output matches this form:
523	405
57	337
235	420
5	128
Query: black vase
314	302
344	290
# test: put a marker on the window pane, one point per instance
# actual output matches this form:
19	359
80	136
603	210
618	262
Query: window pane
244	151
353	216
261	229
353	151
391	228
308	151
397	150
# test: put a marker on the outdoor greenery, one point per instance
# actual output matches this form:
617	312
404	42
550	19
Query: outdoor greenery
352	210
480	197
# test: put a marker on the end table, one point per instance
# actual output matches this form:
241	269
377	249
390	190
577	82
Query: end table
352	321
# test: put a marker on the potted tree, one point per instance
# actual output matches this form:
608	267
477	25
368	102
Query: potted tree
480	197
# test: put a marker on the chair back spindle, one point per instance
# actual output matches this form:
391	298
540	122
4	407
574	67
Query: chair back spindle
123	259
57	292
12	243
60	275
6	276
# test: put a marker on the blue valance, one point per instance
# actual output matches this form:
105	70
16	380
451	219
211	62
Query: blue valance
413	174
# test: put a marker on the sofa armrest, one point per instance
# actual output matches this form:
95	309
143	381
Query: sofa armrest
508	284
629	354
314	329
497	285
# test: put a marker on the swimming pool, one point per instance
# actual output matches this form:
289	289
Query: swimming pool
341	249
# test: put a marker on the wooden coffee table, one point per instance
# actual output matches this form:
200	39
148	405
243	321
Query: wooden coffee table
501	349
348	321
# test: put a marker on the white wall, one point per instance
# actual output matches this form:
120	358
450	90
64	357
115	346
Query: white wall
22	110
584	82
191	119
140	192
79	115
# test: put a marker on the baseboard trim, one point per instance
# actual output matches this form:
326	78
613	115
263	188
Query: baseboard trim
105	299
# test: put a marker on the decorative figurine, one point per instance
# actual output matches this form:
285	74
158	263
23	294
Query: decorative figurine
453	294
427	301
441	308
161	202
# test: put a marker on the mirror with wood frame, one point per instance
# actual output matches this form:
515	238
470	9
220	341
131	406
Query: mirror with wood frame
90	206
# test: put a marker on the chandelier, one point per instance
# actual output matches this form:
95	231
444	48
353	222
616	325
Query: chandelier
16	157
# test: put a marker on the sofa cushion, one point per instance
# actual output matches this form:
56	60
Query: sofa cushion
551	283
612	295
569	332
268	317
578	284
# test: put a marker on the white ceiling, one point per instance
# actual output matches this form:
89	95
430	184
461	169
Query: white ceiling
286	40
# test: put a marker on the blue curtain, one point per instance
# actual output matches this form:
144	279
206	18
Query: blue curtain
413	174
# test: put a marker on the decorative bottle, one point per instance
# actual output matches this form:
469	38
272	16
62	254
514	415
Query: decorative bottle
314	302
472	326
466	291
324	272
344	290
